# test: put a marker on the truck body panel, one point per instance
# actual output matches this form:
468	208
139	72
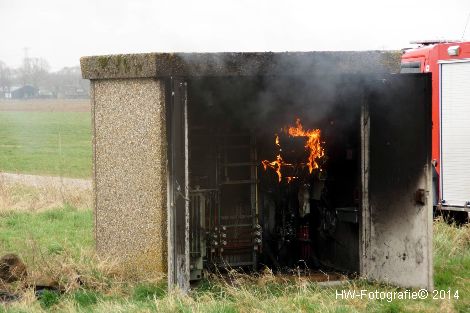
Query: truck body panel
450	108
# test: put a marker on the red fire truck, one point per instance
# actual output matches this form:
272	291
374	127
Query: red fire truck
449	63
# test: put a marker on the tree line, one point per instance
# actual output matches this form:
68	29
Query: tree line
35	73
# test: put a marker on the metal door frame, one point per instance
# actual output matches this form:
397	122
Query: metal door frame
177	184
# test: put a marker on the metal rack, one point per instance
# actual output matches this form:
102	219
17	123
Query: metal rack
224	230
239	225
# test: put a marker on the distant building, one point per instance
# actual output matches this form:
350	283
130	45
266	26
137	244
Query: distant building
23	92
46	94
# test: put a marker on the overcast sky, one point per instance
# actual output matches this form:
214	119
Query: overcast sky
62	31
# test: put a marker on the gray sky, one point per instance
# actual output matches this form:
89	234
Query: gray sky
63	30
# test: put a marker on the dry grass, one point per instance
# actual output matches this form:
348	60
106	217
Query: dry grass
57	246
21	197
460	239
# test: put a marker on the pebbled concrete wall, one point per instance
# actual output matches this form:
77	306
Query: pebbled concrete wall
130	179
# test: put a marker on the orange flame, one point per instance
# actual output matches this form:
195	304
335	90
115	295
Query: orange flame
277	141
275	165
291	178
312	144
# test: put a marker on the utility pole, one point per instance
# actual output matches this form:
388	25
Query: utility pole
26	65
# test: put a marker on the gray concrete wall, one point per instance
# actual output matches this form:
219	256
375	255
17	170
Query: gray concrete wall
130	178
239	64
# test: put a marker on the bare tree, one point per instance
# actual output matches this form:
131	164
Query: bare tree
34	71
67	82
5	76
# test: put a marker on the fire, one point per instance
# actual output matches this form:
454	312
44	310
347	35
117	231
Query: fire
275	165
290	178
312	144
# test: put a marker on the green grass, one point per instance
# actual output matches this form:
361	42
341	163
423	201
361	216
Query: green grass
85	298
52	231
46	143
49	298
147	292
59	242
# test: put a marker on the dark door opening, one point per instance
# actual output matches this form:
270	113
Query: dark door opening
303	174
274	174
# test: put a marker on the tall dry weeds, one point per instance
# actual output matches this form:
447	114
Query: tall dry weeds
450	240
21	197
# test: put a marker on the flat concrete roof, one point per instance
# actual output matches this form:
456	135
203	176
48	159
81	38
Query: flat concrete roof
239	64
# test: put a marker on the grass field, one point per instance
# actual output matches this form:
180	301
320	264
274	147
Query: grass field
46	143
57	246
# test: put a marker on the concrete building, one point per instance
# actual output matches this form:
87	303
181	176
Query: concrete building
176	193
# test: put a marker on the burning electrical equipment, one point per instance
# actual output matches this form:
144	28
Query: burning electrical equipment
312	144
302	170
299	162
271	181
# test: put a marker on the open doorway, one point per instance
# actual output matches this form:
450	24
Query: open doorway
301	174
274	174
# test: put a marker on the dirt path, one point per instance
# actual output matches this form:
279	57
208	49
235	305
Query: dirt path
45	181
